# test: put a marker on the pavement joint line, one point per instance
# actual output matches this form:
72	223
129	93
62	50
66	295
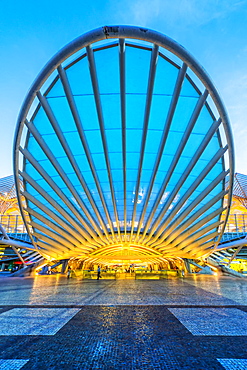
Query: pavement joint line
98	293
243	307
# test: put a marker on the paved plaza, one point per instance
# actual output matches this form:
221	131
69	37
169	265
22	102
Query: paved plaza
49	322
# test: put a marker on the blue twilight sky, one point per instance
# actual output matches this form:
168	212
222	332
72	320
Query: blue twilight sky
214	31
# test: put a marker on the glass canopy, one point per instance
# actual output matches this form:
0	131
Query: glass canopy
123	147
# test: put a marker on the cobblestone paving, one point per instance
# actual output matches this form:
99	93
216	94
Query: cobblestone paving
52	323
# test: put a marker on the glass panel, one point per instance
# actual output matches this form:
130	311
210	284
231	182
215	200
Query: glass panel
192	145
103	177
74	143
42	123
134	116
114	140
188	89
62	113
53	142
116	161
166	76
57	90
30	170
48	167
99	161
211	149
172	143
35	149
107	67
158	113
87	112
182	164
111	111
133	140
204	121
132	163
153	142
183	113
94	141
137	70
79	78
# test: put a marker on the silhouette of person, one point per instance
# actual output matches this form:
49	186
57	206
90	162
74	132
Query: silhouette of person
98	273
68	272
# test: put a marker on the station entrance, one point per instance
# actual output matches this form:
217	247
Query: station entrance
128	267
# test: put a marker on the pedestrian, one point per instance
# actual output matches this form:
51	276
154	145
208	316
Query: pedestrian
98	273
68	272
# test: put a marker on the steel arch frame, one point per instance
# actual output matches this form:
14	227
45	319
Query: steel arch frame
121	33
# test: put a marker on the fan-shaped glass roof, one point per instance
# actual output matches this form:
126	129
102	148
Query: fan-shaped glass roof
123	145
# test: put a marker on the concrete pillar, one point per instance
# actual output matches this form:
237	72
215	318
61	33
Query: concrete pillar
187	265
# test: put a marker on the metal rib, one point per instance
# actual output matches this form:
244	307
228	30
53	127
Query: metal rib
195	246
178	221
46	248
67	217
193	204
61	173
185	227
151	78
58	238
76	116
176	158
64	232
175	240
189	168
88	233
53	242
123	120
203	250
187	194
56	189
67	225
168	122
45	105
94	79
60	222
186	245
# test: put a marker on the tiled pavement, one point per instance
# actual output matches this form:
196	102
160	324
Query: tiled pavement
49	322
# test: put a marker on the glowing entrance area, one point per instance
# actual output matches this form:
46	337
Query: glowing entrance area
122	150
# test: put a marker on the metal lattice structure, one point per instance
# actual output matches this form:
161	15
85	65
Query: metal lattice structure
123	146
8	200
240	188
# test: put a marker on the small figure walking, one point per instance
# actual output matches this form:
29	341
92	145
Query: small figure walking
68	272
98	273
